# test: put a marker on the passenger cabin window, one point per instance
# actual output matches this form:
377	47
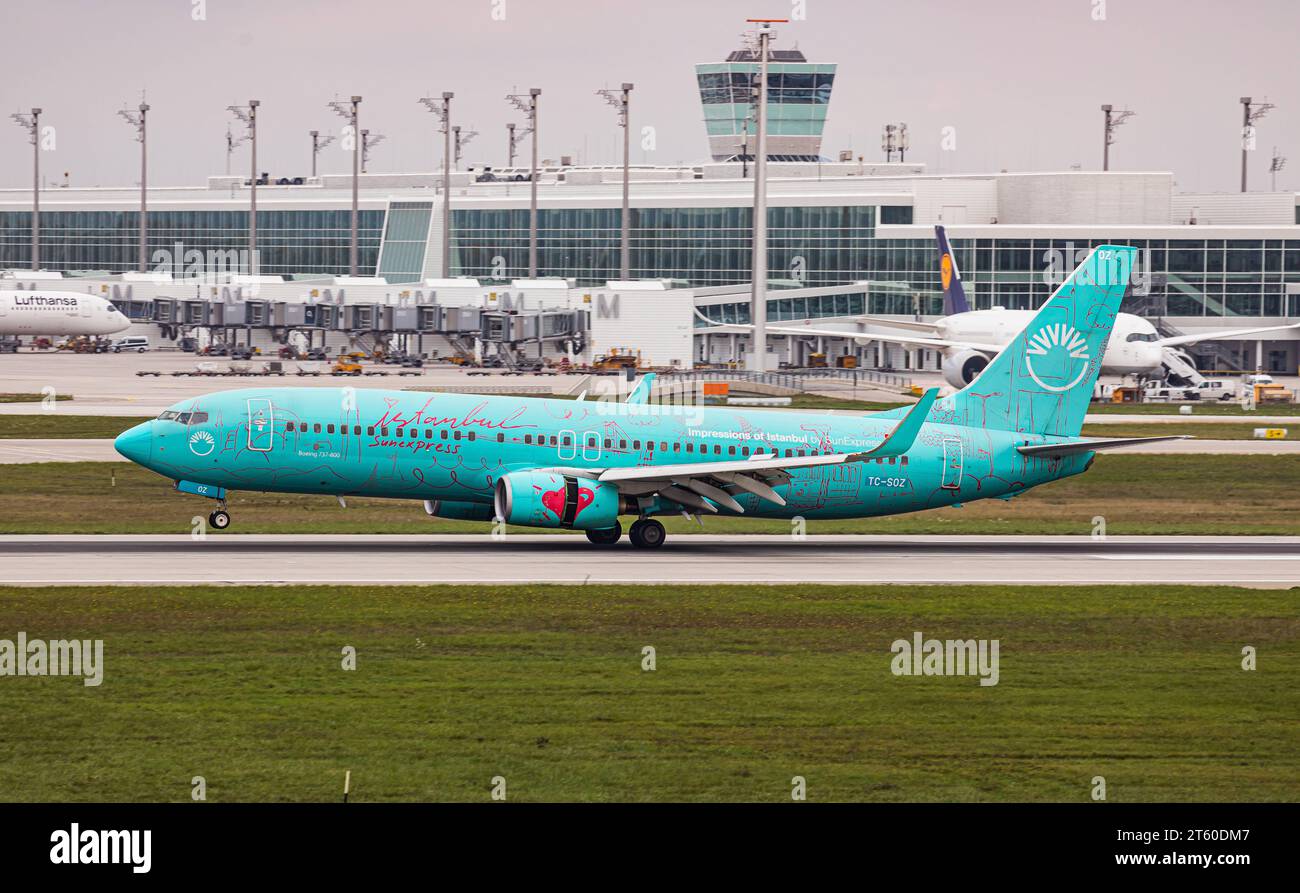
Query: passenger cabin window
370	430
329	429
399	432
316	428
501	438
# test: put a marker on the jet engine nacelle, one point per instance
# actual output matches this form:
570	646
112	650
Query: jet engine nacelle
547	499
963	367
459	511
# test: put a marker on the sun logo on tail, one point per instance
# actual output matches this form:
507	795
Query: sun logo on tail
1066	343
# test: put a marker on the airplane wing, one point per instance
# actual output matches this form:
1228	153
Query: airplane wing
1056	450
698	485
913	325
912	340
1222	333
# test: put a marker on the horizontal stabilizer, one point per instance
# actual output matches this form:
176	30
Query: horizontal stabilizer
1069	448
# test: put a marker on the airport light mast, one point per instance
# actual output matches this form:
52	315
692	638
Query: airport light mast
462	139
442	108
369	141
528	105
350	111
510	145
318	142
31	121
619	99
761	42
1112	119
1251	112
1278	162
248	115
231	143
138	120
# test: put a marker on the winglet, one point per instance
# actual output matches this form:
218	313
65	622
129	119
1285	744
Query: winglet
641	393
900	440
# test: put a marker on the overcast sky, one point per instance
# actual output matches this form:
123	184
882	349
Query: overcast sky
1020	80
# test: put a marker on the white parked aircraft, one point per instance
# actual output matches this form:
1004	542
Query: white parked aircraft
968	339
43	312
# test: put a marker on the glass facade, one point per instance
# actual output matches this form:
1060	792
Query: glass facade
799	94
314	241
704	246
808	246
820	246
405	239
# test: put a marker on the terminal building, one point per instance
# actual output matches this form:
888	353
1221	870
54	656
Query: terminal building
845	238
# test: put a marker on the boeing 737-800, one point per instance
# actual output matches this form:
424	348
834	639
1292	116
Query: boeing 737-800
583	465
58	313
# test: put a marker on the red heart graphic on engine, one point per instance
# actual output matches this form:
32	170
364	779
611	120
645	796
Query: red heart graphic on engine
554	500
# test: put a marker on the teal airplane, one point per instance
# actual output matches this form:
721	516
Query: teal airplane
583	465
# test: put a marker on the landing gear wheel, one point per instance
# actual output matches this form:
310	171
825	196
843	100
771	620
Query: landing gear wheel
219	520
606	537
647	534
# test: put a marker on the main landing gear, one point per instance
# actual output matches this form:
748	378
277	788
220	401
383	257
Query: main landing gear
647	534
219	519
644	534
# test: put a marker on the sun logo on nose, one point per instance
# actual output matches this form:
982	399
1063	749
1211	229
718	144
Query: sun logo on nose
202	443
1066	344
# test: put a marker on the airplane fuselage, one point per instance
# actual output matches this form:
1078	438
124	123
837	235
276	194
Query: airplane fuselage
454	448
44	312
1130	351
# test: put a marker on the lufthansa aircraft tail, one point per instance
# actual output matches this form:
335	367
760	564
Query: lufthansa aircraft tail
954	294
1042	381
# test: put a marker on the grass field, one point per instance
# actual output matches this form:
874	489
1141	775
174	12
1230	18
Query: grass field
30	398
1202	430
57	425
1136	494
1226	409
752	686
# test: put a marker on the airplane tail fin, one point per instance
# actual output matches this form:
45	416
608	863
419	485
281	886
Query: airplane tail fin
1042	381
954	293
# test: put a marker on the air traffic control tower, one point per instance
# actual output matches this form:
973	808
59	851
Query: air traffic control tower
798	94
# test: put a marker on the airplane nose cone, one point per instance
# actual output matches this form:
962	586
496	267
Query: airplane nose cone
136	443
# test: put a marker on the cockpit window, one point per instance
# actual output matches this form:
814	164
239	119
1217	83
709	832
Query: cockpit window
184	418
198	418
167	416
1142	336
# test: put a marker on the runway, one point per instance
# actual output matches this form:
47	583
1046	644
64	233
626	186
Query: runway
565	558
